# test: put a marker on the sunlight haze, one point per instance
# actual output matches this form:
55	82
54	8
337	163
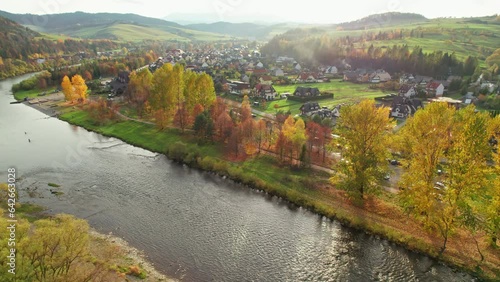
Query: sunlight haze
316	11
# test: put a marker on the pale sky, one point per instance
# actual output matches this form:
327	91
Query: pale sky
310	11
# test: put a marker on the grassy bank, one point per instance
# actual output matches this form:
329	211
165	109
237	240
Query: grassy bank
380	215
20	95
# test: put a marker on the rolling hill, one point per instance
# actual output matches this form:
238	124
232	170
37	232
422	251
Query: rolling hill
244	30
120	27
383	20
463	37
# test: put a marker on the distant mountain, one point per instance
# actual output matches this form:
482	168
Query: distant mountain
122	27
383	20
245	30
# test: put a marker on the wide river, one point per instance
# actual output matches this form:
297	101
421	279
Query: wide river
192	225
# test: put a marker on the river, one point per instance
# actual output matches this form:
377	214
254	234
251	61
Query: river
193	226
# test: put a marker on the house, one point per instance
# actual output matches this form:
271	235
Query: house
259	65
245	78
238	87
266	79
308	78
336	111
120	83
406	79
351	76
331	70
434	89
306	91
451	102
380	76
403	107
278	72
297	67
265	91
407	90
309	108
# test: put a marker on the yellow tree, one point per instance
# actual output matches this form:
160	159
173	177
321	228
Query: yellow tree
299	136
492	208
79	87
177	82
424	139
467	172
191	91
161	98
139	88
288	130
67	88
206	94
365	129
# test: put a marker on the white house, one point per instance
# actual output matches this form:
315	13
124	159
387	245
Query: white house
278	72
434	89
298	67
407	91
331	70
259	65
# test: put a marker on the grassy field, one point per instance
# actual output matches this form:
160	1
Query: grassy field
20	95
343	92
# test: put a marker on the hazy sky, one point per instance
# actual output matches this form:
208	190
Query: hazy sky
313	11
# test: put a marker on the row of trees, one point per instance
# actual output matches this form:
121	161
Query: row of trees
436	139
171	92
393	59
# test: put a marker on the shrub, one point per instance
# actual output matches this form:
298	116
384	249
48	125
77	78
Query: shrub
177	151
207	163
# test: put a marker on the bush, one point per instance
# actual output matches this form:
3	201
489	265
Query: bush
323	96
177	151
207	163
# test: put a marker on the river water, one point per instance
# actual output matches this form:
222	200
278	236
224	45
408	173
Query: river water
192	225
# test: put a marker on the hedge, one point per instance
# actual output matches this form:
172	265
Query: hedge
313	98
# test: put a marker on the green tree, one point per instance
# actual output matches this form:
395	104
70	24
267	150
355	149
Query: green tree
365	129
204	127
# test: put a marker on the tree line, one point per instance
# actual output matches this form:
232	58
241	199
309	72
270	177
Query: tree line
450	167
396	58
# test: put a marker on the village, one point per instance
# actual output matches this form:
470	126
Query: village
241	70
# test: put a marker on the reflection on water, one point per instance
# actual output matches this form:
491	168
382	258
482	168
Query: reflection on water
192	225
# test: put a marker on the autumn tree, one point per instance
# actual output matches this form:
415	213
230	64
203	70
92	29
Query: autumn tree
365	129
246	110
182	117
161	97
79	87
467	170
288	130
67	89
139	88
424	140
191	90
224	126
206	94
102	111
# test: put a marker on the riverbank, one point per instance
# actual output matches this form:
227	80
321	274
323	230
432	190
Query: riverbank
131	255
381	215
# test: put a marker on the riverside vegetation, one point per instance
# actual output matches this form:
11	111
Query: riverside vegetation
64	248
457	222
